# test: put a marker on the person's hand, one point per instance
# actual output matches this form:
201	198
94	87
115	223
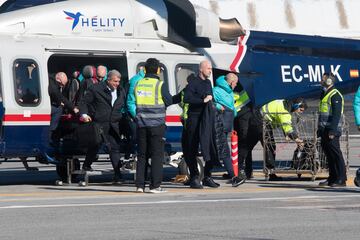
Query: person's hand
207	98
76	110
331	136
85	118
222	108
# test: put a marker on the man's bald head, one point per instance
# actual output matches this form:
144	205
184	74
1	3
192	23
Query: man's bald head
232	79
101	72
61	78
205	69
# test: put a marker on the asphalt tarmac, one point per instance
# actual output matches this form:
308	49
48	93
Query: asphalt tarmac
33	207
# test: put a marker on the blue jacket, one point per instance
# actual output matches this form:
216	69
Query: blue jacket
130	102
356	106
223	94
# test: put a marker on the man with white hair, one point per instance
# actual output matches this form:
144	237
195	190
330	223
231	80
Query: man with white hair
104	100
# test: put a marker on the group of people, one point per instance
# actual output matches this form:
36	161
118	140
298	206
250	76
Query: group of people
209	116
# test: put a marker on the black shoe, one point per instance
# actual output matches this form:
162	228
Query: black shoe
274	177
209	182
238	180
87	168
195	183
117	179
187	182
325	183
338	184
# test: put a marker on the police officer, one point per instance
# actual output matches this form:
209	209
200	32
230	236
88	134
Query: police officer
277	114
151	98
329	129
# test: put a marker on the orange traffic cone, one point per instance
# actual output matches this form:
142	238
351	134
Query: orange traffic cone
234	152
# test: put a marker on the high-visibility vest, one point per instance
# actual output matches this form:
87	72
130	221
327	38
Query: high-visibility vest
275	113
325	110
240	100
184	106
150	107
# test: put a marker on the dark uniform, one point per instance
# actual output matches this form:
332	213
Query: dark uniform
330	126
152	96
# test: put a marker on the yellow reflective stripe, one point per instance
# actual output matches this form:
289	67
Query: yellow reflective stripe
184	106
148	92
276	113
241	99
325	103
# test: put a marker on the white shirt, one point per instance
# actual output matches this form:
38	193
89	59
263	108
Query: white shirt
113	96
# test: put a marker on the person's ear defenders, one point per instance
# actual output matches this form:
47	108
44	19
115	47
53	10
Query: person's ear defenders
328	81
296	106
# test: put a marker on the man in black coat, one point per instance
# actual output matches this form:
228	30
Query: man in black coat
198	93
107	100
58	102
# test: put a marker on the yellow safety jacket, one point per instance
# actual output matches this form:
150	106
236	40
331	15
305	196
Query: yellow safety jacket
325	109
150	107
184	106
275	113
240	100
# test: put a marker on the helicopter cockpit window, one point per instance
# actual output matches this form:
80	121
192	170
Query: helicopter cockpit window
27	82
182	71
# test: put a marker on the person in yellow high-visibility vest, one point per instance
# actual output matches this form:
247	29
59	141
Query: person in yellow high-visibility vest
330	122
277	113
151	98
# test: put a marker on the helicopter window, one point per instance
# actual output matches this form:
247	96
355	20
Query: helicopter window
27	82
163	71
182	71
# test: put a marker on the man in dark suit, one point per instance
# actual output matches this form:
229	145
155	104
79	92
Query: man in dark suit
58	103
106	99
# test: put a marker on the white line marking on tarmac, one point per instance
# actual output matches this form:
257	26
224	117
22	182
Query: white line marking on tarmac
321	207
173	202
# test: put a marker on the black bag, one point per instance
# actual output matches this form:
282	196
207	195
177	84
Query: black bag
89	135
303	157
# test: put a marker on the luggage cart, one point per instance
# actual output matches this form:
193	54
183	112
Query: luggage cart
306	159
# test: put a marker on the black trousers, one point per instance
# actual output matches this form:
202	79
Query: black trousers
112	140
128	129
228	161
151	141
250	131
255	135
331	148
270	147
242	126
54	136
184	145
192	139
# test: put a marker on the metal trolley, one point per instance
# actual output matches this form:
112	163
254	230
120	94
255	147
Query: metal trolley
306	159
